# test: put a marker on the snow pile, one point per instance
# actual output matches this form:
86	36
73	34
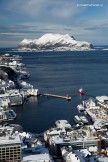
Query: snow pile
54	42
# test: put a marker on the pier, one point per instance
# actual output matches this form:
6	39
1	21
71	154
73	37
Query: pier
57	96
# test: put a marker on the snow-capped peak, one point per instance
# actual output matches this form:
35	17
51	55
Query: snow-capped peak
26	41
46	38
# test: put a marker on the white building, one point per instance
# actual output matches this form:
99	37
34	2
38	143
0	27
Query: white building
13	98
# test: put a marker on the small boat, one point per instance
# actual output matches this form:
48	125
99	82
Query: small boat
77	119
84	119
80	91
68	97
80	107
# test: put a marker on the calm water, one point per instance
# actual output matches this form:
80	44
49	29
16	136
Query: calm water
61	73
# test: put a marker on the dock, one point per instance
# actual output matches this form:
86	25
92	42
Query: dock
57	96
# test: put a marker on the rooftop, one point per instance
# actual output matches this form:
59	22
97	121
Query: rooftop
84	134
8	136
41	155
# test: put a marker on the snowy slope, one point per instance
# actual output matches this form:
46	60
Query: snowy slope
55	42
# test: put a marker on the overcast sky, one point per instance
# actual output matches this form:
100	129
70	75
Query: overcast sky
84	19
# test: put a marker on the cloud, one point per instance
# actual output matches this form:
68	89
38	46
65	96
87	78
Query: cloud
65	10
35	8
32	18
31	8
97	25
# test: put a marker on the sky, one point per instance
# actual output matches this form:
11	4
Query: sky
86	20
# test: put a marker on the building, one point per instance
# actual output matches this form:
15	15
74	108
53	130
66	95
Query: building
78	139
10	145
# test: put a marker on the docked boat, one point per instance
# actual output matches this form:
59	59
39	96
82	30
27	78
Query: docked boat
84	119
80	91
63	124
80	119
80	107
13	114
77	119
7	115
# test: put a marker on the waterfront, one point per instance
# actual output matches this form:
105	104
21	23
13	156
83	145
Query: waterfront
60	73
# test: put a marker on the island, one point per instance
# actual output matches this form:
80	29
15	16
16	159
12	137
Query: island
54	42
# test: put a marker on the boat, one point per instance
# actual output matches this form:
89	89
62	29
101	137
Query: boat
80	107
62	124
68	97
13	114
84	119
80	91
80	119
77	119
7	115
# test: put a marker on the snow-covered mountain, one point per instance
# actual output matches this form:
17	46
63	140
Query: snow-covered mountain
54	42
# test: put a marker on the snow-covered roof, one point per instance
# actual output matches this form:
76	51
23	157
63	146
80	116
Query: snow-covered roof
93	149
102	98
43	156
73	157
9	137
55	131
4	95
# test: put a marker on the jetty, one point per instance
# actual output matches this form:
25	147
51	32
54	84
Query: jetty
57	96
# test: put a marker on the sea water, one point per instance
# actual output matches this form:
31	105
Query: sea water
60	73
